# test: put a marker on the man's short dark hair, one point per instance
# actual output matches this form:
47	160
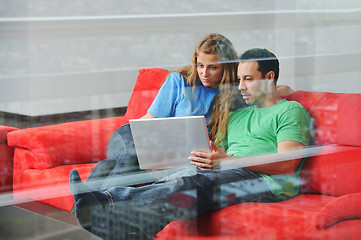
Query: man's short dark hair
267	61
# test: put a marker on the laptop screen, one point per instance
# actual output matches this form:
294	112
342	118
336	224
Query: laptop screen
163	143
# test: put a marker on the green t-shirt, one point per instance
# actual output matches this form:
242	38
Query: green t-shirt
255	131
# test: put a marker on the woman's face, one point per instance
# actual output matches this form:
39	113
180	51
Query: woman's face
210	71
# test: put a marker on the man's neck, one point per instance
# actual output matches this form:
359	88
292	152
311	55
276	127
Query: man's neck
272	99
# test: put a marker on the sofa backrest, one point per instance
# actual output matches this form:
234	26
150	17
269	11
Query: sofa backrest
146	88
336	116
337	121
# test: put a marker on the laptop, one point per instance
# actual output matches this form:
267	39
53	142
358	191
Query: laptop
164	143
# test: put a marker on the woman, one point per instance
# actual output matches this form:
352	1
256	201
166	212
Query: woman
193	90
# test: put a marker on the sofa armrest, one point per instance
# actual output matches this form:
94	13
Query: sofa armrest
66	143
4	130
6	160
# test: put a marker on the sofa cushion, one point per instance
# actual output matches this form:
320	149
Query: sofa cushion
334	171
146	88
341	208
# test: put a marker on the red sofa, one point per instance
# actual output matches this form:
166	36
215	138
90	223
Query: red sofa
6	160
330	192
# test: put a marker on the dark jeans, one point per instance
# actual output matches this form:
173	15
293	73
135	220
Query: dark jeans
210	189
121	160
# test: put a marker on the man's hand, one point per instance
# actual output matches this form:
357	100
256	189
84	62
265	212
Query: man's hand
208	160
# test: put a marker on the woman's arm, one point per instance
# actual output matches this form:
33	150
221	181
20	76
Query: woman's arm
165	102
148	115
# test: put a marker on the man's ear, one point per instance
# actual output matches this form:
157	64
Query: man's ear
270	76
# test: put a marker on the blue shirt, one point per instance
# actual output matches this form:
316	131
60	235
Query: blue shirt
177	99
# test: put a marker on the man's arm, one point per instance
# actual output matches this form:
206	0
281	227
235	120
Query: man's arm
208	161
283	167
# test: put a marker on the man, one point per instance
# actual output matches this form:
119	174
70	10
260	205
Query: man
268	125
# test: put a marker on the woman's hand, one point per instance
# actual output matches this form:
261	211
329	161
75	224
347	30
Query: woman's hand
284	90
208	160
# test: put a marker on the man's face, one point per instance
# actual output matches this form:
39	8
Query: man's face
254	88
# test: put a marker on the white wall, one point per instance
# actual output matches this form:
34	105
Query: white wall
84	55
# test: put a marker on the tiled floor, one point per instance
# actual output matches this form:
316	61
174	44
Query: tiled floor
39	221
50	212
7	200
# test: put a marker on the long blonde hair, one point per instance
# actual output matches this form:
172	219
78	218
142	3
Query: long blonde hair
224	102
